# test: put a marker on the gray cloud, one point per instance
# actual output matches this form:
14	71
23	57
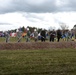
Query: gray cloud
5	23
33	17
37	6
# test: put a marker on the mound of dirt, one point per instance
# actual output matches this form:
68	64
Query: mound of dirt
36	45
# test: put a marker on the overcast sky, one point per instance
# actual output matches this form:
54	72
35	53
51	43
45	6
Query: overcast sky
37	13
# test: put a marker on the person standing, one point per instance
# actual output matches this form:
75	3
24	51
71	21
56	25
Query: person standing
35	35
28	35
43	35
7	36
58	35
52	36
19	35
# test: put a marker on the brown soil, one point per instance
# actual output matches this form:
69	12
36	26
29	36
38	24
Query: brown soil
36	45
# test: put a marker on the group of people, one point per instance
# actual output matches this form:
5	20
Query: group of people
19	35
52	35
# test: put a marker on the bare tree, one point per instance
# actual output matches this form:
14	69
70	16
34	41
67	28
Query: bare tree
51	28
74	27
64	26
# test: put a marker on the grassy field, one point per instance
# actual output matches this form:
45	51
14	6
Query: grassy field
12	39
15	40
38	62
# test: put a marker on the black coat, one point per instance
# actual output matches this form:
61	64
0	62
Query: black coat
59	33
43	33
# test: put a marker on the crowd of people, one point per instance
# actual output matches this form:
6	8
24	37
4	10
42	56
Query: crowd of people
43	35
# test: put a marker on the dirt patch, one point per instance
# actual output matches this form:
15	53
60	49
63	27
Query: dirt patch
36	45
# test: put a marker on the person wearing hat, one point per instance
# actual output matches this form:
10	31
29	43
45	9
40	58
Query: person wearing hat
28	35
35	35
19	35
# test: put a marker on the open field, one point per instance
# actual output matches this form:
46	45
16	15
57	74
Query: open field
38	62
37	58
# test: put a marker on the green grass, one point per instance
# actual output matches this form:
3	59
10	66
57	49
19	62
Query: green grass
38	62
12	39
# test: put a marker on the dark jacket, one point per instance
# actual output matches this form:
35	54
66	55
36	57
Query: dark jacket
59	33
